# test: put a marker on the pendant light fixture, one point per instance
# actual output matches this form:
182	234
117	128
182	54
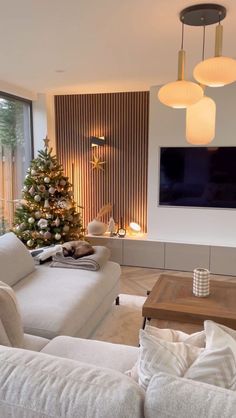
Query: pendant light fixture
200	122
181	93
201	116
219	70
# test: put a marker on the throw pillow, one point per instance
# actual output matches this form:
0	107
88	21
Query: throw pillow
157	355
15	260
198	338
11	330
216	365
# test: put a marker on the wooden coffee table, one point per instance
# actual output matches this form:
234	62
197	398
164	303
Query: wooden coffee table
171	299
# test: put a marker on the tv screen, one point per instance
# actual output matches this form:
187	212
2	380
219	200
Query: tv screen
198	176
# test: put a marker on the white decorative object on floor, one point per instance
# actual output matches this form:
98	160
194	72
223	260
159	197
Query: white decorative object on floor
201	282
96	227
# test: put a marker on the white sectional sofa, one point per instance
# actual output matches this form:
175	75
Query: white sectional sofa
75	378
57	301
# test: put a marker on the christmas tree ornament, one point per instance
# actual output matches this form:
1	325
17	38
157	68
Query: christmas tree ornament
57	236
27	176
70	218
49	216
18	228
62	182
42	223
52	190
33	172
22	226
46	204
32	190
66	228
46	141
25	188
47	235
30	243
57	221
41	188
37	214
37	198
46	180
31	220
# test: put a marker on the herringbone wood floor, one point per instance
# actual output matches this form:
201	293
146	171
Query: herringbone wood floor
137	280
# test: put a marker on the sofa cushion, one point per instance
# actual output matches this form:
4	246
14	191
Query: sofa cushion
15	260
113	356
34	343
217	363
39	385
174	397
11	330
60	301
157	355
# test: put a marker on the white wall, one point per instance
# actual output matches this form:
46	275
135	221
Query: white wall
43	121
17	90
167	128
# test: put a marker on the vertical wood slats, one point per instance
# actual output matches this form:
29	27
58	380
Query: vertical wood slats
123	119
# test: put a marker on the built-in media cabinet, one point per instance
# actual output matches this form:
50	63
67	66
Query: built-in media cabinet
169	255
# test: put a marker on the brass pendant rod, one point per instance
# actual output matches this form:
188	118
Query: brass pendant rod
181	64
181	57
218	40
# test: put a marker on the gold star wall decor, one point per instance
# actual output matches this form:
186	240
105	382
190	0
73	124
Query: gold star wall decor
97	163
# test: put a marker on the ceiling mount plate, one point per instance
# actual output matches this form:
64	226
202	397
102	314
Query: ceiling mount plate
202	14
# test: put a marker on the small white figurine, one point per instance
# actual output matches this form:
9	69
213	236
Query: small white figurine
112	227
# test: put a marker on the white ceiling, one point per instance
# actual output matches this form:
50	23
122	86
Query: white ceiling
101	45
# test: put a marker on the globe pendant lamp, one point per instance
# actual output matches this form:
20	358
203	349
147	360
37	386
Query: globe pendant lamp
200	122
181	93
219	70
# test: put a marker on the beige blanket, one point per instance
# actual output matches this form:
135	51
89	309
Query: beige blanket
91	262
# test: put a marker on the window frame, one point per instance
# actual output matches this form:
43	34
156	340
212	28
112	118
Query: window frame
7	96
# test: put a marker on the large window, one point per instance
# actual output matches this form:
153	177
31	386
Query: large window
15	153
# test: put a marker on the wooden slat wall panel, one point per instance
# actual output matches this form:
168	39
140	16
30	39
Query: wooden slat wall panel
123	119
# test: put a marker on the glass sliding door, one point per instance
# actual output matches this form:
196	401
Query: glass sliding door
15	153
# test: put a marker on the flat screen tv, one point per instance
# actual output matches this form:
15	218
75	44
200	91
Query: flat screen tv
198	176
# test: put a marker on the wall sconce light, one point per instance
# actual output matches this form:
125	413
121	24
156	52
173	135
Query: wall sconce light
97	141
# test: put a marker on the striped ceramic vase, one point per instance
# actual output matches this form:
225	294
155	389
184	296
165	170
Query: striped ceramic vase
201	282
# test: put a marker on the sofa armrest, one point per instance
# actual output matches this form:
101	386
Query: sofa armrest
171	396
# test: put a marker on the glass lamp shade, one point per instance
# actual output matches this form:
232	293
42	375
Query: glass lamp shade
216	72
200	122
135	227
180	94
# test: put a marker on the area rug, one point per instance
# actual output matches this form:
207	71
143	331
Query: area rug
122	324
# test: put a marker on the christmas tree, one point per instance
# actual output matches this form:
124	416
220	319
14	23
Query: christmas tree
47	212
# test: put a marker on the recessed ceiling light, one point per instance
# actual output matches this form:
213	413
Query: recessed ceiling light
59	71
